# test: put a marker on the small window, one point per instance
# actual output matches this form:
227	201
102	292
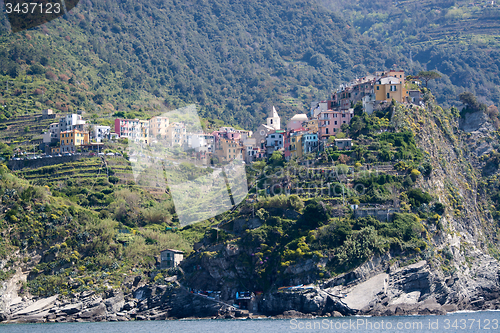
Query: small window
378	88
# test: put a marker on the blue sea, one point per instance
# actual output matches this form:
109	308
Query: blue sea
471	322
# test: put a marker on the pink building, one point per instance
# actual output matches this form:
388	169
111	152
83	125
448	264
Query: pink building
297	121
331	121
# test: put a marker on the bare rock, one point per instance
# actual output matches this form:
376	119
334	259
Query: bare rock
115	304
97	313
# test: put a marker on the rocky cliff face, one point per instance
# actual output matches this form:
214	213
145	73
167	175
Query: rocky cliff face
455	272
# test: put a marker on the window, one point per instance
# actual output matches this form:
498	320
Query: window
378	87
335	122
343	115
388	95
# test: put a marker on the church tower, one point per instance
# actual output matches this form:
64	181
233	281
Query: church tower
274	120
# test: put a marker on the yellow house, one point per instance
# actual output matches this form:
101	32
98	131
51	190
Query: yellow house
72	139
144	125
175	134
228	150
389	88
296	145
312	125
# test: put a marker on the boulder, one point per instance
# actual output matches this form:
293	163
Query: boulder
72	308
4	316
115	304
97	313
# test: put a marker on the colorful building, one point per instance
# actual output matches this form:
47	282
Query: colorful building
296	146
228	150
389	88
309	142
297	121
175	134
158	127
133	129
331	121
274	141
71	140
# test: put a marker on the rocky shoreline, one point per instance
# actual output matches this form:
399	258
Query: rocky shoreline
374	289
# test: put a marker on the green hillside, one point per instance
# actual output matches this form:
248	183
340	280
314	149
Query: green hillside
459	38
233	58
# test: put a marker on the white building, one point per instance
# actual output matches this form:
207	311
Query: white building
273	124
99	132
318	107
71	122
274	120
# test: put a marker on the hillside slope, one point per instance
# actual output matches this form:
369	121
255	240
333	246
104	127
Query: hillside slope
458	38
234	59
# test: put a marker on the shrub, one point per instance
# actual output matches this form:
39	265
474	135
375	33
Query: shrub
414	174
417	197
315	214
114	179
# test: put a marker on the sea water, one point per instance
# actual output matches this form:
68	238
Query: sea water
470	322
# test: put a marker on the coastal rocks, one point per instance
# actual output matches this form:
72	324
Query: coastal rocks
97	313
293	314
37	307
72	308
312	301
115	304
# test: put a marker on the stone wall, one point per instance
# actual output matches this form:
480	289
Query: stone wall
41	162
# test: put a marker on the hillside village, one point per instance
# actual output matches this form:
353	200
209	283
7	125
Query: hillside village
303	134
320	236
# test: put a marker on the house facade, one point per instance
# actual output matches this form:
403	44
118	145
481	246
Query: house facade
297	121
132	129
71	140
331	121
170	258
158	127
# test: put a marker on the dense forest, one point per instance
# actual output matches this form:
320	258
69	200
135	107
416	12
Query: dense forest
234	59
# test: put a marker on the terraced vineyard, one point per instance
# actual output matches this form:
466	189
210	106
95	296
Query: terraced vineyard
86	168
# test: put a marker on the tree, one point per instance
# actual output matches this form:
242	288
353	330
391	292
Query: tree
277	159
315	214
428	75
358	109
5	151
471	103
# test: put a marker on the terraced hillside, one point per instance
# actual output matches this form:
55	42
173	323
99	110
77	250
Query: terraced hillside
459	38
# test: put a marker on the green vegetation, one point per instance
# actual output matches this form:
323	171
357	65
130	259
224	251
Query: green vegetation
135	58
457	39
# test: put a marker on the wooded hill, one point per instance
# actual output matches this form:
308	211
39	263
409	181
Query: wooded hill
458	38
234	58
